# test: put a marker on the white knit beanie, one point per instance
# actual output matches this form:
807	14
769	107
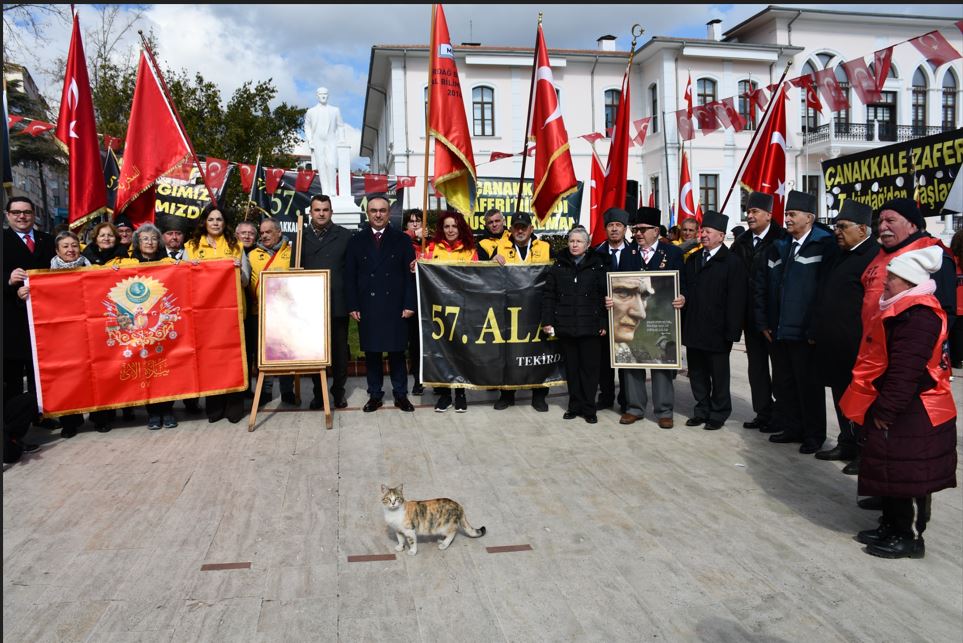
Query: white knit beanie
917	266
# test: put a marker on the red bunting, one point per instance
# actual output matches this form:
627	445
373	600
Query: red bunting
112	142
591	138
935	48
735	118
13	120
641	129
375	183
406	181
862	81
216	170
881	63
832	93
36	128
304	180
757	97
688	97
705	118
247	176
495	156
808	84
272	179
684	122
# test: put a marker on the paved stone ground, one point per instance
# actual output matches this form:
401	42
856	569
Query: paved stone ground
636	533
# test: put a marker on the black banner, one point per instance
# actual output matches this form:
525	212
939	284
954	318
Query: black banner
885	173
480	327
500	193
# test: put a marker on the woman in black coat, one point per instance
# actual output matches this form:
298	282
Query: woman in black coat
573	310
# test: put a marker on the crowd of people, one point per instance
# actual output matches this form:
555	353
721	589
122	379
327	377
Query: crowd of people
866	312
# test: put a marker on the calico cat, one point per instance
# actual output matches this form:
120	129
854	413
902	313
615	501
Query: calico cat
438	517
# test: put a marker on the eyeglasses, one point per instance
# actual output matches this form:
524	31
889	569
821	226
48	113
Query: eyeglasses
20	213
842	227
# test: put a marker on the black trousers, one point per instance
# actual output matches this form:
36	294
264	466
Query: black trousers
709	380
13	373
339	360
160	408
396	367
956	341
540	392
229	405
800	407
414	349
848	430
606	374
760	381
582	359
903	514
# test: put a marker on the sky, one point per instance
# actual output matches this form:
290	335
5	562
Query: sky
302	47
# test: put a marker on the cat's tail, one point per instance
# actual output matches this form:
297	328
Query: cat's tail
470	531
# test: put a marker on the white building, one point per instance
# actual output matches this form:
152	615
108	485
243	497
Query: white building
917	99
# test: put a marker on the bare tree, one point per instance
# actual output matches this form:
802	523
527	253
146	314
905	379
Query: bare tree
31	18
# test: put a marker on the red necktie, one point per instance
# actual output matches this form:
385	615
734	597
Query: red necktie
377	237
29	241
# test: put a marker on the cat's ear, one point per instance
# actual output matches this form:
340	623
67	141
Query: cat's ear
384	489
401	488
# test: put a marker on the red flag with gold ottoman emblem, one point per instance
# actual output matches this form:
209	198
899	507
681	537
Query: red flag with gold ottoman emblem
106	339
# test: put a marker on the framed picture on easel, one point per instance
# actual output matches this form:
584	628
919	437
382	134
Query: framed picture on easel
293	328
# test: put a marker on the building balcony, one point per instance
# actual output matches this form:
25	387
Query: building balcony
859	134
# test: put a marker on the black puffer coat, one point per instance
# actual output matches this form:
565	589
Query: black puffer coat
574	297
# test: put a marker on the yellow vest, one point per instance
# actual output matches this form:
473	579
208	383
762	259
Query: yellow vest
490	244
539	252
204	252
259	259
441	252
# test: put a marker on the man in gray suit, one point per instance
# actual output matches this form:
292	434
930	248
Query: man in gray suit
323	246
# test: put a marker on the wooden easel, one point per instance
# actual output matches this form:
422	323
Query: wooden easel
271	372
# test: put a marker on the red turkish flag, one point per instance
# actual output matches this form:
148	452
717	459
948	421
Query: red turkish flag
596	221
829	87
687	207
112	142
375	183
651	199
247	176
554	177
496	156
591	138
216	171
766	169
36	128
112	338
882	60
155	143
641	130
706	118
617	165
862	81
758	98
272	179
688	97
686	130
806	82
13	120
77	132
454	174
406	181
732	114
935	48
304	180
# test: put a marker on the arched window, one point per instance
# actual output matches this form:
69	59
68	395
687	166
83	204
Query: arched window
705	91
483	111
842	116
919	103
824	58
949	101
612	98
654	107
808	113
747	108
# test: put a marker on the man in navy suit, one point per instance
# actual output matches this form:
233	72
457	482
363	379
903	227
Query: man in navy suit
653	255
379	290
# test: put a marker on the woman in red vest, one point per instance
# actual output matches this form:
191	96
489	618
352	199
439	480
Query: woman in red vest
900	393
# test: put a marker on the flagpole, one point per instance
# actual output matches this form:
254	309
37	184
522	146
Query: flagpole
528	114
755	135
668	173
180	124
431	49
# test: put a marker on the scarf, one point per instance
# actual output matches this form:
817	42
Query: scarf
59	264
273	250
928	287
99	256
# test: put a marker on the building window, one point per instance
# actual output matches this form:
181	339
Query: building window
612	98
949	101
919	103
654	190
483	111
842	116
884	113
709	191
705	91
654	107
810	185
747	109
808	114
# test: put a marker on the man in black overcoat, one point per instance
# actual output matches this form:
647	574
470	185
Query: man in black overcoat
837	323
324	246
715	307
751	247
24	248
379	291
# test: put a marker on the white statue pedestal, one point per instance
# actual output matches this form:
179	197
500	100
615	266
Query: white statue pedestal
345	211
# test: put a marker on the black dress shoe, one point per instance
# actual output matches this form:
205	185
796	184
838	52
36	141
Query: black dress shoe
712	425
569	415
899	546
289	397
67	433
539	404
341	403
372	405
695	421
592	419
870	503
785	438
503	403
810	447
754	424
217	417
769	428
404	404
852	469
316	403
875	536
28	447
839	452
418	389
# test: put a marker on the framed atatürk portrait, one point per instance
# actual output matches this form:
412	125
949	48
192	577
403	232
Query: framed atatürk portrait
644	329
293	328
